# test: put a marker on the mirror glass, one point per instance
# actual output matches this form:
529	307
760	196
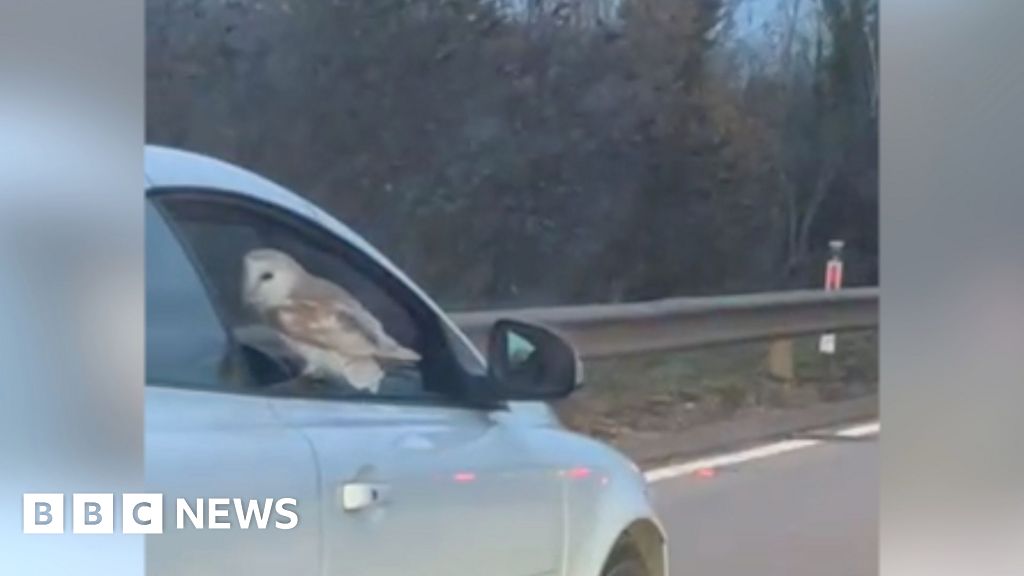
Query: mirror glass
519	350
528	361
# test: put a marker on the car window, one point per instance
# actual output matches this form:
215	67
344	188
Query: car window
290	291
185	340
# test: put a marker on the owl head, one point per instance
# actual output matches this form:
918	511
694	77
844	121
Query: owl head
269	277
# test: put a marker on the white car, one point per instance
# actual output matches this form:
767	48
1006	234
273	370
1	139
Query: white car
450	466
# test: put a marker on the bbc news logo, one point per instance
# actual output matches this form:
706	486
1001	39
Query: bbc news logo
94	513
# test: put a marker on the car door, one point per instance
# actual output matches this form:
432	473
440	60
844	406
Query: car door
429	490
416	478
204	438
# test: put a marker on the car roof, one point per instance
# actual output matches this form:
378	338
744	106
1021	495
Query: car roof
173	168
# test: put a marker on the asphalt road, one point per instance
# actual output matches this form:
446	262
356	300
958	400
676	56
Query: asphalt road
812	512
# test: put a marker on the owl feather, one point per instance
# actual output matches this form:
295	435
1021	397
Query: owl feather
321	322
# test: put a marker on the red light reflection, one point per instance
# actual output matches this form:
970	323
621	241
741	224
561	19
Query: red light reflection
705	473
578	473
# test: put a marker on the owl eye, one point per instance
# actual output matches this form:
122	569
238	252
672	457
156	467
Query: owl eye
266	276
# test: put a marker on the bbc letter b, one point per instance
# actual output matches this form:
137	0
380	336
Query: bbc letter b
43	513
92	513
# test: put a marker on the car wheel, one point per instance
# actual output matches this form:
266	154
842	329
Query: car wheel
624	561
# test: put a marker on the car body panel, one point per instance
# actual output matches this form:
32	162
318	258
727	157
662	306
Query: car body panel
460	490
559	500
213	445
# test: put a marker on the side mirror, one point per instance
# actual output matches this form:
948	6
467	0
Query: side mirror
530	362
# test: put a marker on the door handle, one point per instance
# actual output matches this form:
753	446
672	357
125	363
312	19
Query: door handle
353	496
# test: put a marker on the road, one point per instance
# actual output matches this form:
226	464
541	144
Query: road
810	512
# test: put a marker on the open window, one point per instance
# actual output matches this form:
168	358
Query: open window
340	326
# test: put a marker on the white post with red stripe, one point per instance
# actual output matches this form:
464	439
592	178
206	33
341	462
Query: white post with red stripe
833	282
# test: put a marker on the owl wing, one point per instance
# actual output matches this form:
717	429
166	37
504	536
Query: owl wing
317	323
353	315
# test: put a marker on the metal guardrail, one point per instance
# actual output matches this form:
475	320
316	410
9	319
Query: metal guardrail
602	330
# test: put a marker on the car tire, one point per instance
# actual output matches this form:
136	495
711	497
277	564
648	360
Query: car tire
624	561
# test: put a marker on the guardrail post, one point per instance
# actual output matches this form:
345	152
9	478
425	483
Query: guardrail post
780	361
833	282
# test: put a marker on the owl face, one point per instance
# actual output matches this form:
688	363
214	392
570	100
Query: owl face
269	276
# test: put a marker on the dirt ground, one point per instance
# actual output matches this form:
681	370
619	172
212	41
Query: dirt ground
678	390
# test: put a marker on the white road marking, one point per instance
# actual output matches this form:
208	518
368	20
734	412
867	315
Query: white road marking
861	431
757	453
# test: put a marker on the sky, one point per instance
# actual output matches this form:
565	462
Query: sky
752	15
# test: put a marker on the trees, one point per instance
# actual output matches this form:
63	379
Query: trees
539	151
820	107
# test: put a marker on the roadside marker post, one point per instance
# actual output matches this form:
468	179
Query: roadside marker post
833	283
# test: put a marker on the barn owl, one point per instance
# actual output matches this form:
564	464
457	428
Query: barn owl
319	321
